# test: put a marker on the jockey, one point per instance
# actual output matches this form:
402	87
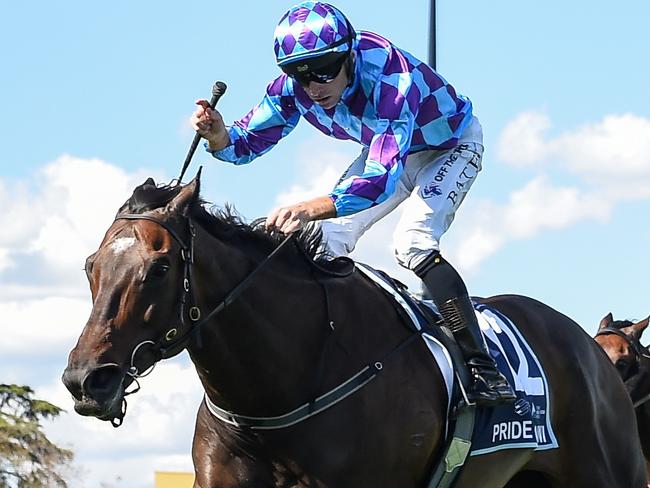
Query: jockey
422	145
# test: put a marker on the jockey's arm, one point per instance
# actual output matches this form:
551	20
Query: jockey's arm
258	131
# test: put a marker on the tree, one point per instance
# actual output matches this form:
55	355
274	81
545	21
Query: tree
28	459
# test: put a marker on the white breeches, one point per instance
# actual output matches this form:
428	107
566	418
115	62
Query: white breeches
431	188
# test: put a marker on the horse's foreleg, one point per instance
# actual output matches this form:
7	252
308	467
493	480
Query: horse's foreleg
211	471
227	458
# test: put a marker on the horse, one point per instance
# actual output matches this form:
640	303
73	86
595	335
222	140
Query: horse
621	341
311	378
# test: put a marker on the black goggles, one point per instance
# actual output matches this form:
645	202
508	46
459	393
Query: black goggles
322	69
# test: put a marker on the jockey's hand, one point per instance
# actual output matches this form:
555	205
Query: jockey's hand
209	124
294	217
288	219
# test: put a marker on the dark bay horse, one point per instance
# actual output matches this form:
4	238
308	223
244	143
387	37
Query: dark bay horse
290	330
621	341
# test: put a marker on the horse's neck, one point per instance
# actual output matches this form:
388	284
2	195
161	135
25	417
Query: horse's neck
264	348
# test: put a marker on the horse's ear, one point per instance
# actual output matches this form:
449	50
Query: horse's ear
185	198
638	328
606	321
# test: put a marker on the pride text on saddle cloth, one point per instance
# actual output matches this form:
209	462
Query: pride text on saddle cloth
515	429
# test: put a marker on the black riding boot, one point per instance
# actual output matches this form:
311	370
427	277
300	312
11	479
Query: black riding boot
449	294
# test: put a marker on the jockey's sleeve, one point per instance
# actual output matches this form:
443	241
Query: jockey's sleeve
396	102
263	127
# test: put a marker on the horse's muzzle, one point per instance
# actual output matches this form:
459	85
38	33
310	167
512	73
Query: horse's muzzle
97	392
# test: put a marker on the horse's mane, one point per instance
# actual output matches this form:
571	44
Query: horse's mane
224	223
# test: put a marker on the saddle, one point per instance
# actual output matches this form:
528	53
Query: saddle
430	321
472	431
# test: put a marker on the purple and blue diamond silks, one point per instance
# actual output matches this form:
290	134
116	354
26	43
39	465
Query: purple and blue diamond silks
397	105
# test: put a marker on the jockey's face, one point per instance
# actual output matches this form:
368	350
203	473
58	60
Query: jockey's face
327	95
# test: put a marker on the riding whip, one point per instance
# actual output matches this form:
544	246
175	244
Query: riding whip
218	89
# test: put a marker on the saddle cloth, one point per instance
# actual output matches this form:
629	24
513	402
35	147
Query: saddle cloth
524	424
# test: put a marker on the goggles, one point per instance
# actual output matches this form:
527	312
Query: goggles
322	69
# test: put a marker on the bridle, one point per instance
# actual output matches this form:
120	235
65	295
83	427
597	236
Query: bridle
636	347
633	343
175	339
171	343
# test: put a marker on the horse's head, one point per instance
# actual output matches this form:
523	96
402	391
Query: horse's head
141	298
620	339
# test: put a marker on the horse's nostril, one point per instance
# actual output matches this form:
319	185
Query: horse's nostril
72	381
101	383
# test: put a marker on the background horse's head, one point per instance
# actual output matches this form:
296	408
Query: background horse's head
620	339
139	290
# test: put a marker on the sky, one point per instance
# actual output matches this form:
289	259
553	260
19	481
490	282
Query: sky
95	97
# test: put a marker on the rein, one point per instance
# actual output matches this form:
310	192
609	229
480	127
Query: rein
637	348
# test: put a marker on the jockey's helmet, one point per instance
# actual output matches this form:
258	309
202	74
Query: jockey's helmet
312	37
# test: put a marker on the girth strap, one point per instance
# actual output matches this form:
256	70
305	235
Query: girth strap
309	409
303	412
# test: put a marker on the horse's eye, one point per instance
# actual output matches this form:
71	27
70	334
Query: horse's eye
88	266
158	269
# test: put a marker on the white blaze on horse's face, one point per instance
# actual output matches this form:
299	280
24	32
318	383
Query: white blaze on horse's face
121	244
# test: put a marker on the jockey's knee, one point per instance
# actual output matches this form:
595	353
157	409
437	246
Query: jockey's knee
413	248
413	258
